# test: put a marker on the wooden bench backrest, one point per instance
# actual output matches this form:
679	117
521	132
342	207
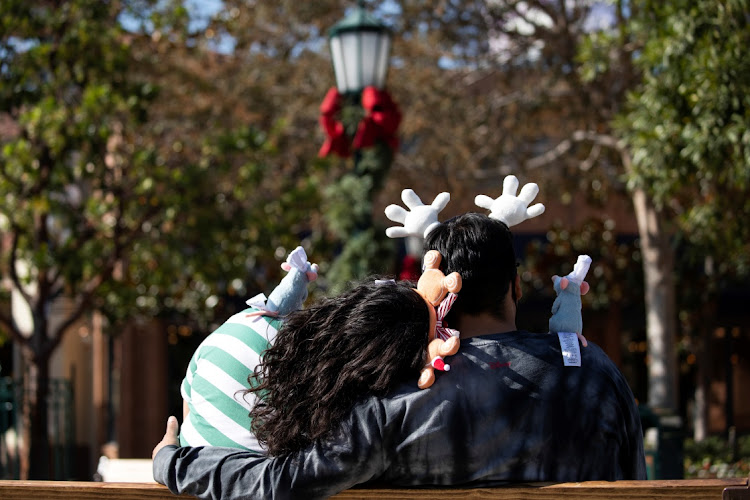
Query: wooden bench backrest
706	489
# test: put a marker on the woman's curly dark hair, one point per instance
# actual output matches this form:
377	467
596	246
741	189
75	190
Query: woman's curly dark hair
327	357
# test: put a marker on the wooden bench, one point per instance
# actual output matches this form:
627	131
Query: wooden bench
689	489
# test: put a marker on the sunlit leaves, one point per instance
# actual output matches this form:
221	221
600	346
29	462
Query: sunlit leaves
103	180
687	124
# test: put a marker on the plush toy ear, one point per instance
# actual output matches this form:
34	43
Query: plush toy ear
453	282
584	288
286	266
563	283
432	259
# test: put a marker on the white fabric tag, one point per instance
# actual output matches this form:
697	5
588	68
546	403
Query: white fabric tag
571	351
258	301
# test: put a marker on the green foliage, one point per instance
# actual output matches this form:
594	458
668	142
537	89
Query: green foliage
118	188
348	204
593	55
349	214
349	207
364	254
66	88
349	201
715	457
613	276
374	163
688	124
225	230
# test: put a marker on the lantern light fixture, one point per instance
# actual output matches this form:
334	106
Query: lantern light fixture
360	47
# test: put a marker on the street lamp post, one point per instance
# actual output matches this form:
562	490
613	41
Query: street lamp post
360	119
358	112
360	46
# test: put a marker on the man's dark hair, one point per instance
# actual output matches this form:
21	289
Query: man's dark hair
480	249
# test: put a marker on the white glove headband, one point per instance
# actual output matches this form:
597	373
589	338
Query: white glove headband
421	218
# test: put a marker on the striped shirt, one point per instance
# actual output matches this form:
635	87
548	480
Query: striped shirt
216	378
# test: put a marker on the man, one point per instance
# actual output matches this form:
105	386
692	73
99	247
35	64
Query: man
508	411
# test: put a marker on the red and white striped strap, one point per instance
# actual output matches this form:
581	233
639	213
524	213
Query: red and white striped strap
441	331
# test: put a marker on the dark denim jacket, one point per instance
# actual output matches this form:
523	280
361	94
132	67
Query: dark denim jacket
508	411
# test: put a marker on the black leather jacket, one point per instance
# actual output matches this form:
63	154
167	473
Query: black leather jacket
508	411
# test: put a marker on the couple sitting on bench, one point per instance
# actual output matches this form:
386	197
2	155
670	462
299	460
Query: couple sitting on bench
350	392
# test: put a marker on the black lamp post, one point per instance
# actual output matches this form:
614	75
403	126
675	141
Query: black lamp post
360	47
360	119
359	110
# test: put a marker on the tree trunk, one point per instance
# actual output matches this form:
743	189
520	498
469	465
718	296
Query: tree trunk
705	357
39	446
703	384
658	265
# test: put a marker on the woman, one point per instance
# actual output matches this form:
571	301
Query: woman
325	358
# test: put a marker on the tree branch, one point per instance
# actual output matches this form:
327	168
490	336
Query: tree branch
594	154
564	147
13	256
45	173
578	136
10	326
43	284
549	11
107	270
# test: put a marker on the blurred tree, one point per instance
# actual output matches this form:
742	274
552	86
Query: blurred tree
542	86
462	74
687	127
486	89
688	124
678	139
127	183
280	58
684	152
492	88
613	306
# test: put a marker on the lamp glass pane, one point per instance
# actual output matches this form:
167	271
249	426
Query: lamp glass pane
370	59
337	54
352	58
381	63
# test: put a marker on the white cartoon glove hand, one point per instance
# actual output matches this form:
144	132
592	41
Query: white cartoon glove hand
420	220
508	208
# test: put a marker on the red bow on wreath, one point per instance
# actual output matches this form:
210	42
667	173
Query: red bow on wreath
382	118
336	140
